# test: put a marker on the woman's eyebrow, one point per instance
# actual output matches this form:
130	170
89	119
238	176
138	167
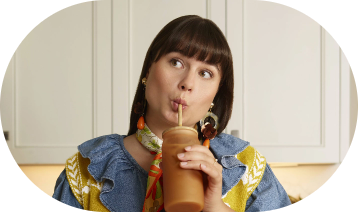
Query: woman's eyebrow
215	65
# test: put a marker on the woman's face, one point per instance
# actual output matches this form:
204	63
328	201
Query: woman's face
175	79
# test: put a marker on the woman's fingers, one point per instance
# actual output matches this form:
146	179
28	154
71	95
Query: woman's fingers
212	170
199	153
199	148
199	157
185	156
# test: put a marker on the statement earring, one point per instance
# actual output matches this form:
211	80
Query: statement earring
140	107
209	125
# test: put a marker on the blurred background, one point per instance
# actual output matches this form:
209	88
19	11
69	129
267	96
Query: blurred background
74	77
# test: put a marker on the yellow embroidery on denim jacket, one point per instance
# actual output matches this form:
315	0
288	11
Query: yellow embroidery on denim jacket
255	167
85	188
73	177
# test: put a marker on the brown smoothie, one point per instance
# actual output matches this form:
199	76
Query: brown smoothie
183	189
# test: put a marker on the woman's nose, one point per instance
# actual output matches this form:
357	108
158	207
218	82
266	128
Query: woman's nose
187	83
185	88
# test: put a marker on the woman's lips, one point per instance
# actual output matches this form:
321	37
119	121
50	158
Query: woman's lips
176	105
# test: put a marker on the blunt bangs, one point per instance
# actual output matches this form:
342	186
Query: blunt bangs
195	38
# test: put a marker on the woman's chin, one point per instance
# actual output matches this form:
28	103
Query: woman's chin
172	120
174	123
184	123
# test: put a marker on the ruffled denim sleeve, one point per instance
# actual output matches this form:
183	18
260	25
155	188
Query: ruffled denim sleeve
63	192
268	195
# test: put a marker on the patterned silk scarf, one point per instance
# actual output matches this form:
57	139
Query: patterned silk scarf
154	195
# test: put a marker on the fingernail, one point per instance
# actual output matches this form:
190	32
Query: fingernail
183	163
203	166
180	155
187	148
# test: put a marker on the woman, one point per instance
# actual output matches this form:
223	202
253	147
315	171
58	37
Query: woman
189	63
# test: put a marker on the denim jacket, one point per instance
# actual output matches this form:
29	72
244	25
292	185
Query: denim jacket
125	180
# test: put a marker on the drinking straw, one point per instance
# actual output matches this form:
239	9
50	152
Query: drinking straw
180	114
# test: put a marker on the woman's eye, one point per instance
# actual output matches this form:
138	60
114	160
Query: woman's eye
205	74
176	63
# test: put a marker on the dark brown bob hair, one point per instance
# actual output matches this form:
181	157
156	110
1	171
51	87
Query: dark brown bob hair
200	38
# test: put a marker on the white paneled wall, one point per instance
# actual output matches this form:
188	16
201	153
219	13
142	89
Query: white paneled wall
49	92
287	83
349	149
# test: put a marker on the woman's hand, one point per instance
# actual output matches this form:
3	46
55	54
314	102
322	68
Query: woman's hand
200	158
